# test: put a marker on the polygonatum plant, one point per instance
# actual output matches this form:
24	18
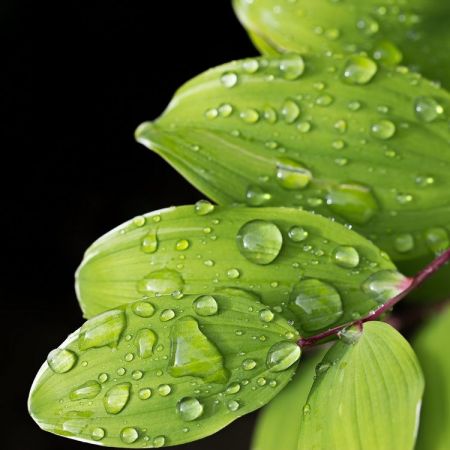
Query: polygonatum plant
329	165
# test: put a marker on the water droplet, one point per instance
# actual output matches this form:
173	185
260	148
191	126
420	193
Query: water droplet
98	434
270	114
340	126
160	282
233	388
346	256
203	207
427	109
121	371
164	390
248	364
159	441
292	66
225	110
249	115
350	335
150	242
266	315
259	241
166	315
205	305
90	389
338	144
437	239
250	65
261	381
306	409
182	244
354	202
387	53
208	263
359	69
104	329
145	393
103	378
255	196
383	129
404	242
282	355
322	368
229	79
324	100
316	304
116	398
424	180
189	409
193	354
298	234
143	309
129	435
290	111
61	360
354	105
139	221
233	273
233	405
403	199
304	127
292	175
211	113
385	284
145	341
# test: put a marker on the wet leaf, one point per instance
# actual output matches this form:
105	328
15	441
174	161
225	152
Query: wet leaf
431	346
369	396
279	422
415	33
203	367
339	136
312	270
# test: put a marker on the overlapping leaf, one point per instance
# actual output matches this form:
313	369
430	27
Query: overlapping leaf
164	372
279	422
367	395
415	32
312	270
431	345
273	132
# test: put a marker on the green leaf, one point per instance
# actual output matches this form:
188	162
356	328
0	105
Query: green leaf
431	346
278	423
164	372
367	395
284	132
312	270
415	33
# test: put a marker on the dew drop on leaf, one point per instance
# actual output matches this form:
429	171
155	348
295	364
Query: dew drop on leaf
383	129
292	66
205	305
290	111
189	409
404	242
387	53
143	309
129	435
384	285
292	175
61	360
145	341
282	355
255	196
149	243
359	69
346	256
437	239
98	434
298	234
116	398
87	390
427	109
229	79
160	282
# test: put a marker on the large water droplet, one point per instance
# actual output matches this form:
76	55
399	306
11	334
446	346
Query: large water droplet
292	66
427	109
316	304
290	111
385	284
116	398
383	129
346	256
145	341
292	175
255	196
61	360
90	389
354	202
437	239
203	207
129	435
298	234
229	79
359	69
193	354
189	409
160	282
150	242
205	305
283	355
104	329
143	309
259	241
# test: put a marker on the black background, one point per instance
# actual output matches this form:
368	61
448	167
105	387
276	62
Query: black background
81	75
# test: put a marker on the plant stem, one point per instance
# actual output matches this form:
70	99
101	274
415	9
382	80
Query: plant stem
410	285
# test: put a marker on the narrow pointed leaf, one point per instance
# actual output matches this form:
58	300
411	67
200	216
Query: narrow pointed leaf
278	422
431	346
415	33
261	132
368	398
312	270
206	362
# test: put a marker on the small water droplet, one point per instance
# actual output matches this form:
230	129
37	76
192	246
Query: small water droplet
205	305
116	398
145	393
292	175
346	256
270	114
350	335
103	377
129	435
437	239
255	196
324	100
427	109
298	234
250	65
182	244
137	374
322	368
166	315
233	405
304	127
387	53
249	115
98	434
203	207
233	388
164	390
143	309
290	111
383	129
149	243
160	282
385	284
367	25
248	364
87	390
259	241
306	409
354	105
403	198
229	79
359	69
266	315
189	409
145	341
292	66
340	126
316	304
225	110
282	355
424	180
159	441
61	360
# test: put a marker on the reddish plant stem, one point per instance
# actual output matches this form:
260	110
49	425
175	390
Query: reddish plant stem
410	285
